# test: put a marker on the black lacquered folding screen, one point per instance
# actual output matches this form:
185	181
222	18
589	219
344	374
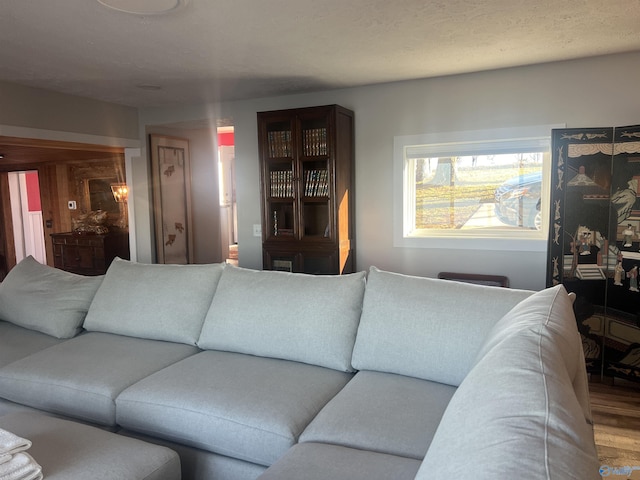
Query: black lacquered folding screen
594	241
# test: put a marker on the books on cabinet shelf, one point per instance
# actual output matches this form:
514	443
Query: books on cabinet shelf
315	141
281	183
316	183
279	143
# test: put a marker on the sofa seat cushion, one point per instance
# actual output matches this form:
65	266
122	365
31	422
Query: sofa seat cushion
17	342
292	316
425	327
7	407
81	377
46	299
241	406
317	461
518	405
158	302
382	412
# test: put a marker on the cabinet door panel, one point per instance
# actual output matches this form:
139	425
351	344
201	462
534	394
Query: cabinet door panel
318	264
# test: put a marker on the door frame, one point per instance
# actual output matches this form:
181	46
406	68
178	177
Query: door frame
7	243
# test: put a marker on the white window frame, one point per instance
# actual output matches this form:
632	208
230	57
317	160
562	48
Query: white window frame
466	143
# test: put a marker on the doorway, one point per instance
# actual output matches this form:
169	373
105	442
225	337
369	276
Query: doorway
58	165
26	214
227	189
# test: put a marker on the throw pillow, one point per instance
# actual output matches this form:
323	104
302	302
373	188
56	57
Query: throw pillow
157	302
425	327
292	316
46	299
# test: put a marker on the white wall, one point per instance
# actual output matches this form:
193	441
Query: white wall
49	115
592	92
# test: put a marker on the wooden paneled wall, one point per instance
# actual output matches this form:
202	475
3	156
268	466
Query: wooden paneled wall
59	183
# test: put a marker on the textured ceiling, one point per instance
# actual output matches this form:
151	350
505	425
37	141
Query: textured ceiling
233	49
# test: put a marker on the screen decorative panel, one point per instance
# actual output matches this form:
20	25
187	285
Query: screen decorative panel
594	241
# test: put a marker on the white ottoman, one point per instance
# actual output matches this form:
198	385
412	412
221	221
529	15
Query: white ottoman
68	450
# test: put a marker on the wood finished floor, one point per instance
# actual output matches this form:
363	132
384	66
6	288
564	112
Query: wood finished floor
616	412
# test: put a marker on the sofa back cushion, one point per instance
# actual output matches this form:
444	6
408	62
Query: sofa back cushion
292	316
519	405
42	298
157	302
424	327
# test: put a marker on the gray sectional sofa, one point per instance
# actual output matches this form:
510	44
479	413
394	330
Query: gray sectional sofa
274	375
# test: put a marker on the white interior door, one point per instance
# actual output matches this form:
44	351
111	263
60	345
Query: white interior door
28	230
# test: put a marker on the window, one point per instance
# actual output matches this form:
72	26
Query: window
485	189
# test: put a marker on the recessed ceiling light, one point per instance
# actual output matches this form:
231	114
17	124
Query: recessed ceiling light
144	7
1	156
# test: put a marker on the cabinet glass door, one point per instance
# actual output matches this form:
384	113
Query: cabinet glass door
279	179
315	176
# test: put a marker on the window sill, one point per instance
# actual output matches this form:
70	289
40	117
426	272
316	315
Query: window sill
449	242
